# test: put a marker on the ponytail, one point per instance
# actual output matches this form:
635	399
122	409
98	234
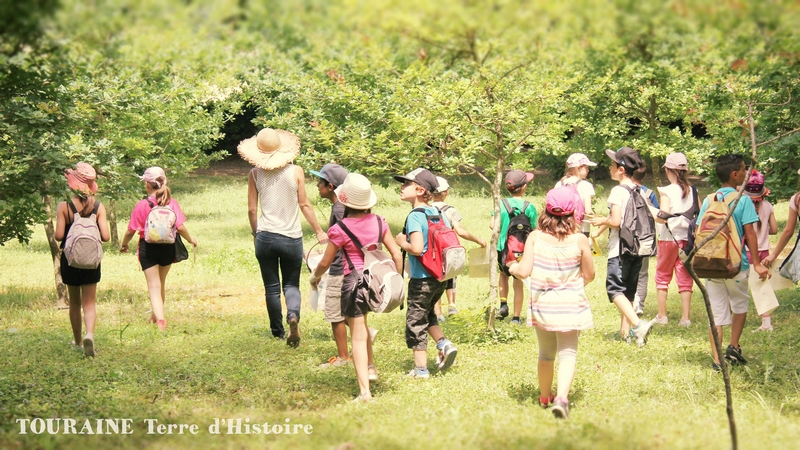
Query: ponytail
161	191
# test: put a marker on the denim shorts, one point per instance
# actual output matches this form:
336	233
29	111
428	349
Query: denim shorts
623	276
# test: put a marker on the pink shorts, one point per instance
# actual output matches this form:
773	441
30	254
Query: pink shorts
761	255
667	262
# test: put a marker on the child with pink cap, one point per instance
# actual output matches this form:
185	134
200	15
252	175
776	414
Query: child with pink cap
81	282
766	226
559	307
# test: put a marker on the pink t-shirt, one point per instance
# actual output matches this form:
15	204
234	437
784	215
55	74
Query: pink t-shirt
142	209
365	229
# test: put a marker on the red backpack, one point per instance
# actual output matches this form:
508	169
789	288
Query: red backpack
445	258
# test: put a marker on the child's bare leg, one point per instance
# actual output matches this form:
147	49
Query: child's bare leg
518	297
359	336
662	302
75	312
567	360
88	298
548	346
686	304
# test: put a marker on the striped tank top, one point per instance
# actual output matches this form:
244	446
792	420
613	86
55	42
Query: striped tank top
277	195
558	301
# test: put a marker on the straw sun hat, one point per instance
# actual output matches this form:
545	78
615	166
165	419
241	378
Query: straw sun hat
270	149
356	192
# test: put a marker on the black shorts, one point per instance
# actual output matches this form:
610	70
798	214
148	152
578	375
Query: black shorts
354	296
72	276
423	293
623	276
155	254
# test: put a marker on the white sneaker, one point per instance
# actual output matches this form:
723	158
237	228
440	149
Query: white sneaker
661	320
641	332
685	323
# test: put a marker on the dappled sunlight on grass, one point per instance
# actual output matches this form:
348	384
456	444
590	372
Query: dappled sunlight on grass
218	359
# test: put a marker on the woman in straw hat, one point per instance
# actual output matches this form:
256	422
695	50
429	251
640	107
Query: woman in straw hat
278	187
358	198
155	259
81	283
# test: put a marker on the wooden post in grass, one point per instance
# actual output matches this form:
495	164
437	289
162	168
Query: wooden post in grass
750	125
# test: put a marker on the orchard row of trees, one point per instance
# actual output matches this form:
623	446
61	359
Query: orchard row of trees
386	85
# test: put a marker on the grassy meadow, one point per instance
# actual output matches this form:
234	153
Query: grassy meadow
217	359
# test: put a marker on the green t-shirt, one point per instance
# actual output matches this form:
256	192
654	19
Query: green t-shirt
515	203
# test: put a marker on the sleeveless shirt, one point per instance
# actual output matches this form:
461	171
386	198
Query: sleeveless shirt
277	195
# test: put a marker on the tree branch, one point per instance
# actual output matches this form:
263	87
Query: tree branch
777	137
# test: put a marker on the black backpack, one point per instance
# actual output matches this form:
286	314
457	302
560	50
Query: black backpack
517	231
637	232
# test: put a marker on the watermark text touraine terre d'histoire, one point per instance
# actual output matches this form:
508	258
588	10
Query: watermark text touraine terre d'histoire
157	427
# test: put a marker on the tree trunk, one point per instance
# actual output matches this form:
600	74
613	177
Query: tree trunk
656	166
62	302
494	276
112	223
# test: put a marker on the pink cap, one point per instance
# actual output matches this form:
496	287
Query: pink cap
579	159
82	178
564	201
152	175
676	161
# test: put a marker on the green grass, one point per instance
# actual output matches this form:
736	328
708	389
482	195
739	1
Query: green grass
217	359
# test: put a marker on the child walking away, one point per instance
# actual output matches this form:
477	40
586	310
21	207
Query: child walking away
454	218
679	208
623	268
81	226
517	218
558	258
729	296
424	290
358	198
155	255
765	226
332	176
577	170
788	230
644	272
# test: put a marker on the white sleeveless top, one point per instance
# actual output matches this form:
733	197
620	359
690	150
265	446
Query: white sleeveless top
277	195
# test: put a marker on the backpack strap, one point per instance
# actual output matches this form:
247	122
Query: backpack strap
691	213
355	241
508	207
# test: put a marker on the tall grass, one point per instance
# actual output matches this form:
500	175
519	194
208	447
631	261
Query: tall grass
218	359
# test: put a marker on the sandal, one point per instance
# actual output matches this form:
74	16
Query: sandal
373	373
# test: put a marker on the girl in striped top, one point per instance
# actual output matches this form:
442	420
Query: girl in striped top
559	308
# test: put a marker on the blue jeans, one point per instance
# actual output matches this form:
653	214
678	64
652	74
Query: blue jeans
274	251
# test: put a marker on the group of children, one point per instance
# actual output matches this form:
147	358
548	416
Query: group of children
556	262
83	212
556	258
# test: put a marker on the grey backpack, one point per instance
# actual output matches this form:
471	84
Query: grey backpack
83	247
386	287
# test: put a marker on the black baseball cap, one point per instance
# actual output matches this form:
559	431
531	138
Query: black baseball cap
626	157
332	173
422	177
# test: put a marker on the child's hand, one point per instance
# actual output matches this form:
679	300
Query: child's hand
767	261
314	281
763	272
598	220
401	240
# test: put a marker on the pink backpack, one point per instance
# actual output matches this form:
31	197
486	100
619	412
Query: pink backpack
83	247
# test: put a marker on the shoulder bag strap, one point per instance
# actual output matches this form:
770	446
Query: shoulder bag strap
355	241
